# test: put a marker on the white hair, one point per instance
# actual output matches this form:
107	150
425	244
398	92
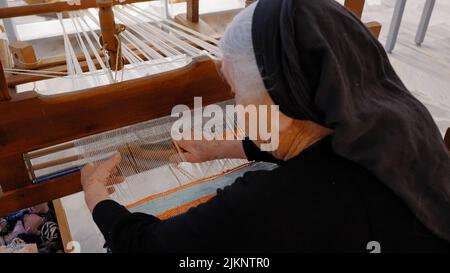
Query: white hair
237	49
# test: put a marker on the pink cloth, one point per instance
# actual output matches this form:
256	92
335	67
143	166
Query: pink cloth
18	229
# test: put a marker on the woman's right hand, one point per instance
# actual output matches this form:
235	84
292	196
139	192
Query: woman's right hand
196	151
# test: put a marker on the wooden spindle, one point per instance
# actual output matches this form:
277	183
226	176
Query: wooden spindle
4	91
110	30
193	10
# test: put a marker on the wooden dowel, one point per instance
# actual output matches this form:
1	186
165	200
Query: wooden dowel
50	150
192	12
109	31
56	162
37	9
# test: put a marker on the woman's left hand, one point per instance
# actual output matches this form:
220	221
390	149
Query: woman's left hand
97	181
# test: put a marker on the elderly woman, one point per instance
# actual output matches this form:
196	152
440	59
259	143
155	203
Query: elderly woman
360	159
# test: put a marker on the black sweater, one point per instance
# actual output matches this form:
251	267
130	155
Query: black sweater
315	202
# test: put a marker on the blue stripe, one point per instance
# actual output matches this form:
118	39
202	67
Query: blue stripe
56	175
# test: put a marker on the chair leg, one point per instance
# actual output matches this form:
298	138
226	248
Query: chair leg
395	24
424	21
355	6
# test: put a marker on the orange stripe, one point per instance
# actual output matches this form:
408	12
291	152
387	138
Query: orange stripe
196	182
183	208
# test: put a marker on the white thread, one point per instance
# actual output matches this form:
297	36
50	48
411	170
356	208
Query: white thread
91	45
71	58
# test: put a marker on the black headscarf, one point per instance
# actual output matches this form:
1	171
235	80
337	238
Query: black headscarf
320	63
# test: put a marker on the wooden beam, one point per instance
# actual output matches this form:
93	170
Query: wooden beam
37	9
31	195
110	31
38	121
63	224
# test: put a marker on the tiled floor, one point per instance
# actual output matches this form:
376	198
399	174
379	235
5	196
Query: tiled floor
425	70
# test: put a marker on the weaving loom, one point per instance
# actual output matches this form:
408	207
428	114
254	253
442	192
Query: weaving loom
145	148
124	69
136	88
139	42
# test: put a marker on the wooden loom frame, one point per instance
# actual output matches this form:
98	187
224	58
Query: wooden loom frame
190	19
37	121
31	121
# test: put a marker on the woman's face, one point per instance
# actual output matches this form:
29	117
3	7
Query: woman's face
245	97
260	99
285	129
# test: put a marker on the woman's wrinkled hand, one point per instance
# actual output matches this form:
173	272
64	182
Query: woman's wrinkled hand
97	180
